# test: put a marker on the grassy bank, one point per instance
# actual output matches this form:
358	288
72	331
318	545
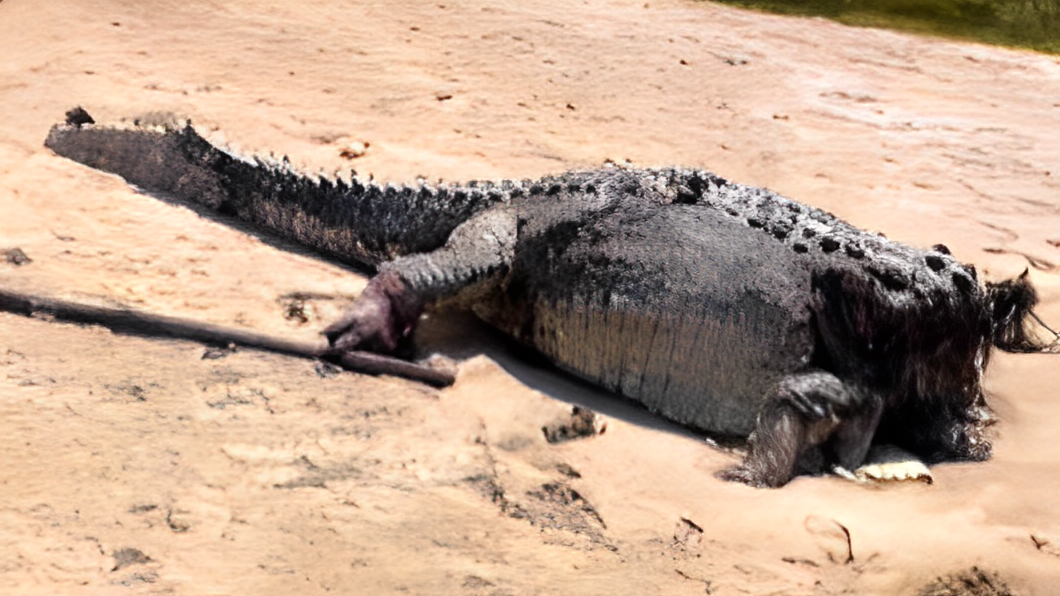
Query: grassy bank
1033	24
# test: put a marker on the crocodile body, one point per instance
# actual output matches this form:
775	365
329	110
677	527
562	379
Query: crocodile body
722	307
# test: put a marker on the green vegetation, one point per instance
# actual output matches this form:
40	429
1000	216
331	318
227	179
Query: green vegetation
1033	24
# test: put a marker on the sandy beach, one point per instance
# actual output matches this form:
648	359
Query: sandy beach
135	466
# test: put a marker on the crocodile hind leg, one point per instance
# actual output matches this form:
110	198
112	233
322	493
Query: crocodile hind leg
477	254
814	418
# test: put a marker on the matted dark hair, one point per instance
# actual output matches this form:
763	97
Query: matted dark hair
925	351
1010	304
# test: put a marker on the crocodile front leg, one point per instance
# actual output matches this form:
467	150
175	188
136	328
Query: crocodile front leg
814	416
477	254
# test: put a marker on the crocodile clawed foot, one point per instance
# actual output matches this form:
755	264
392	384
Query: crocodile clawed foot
380	321
365	326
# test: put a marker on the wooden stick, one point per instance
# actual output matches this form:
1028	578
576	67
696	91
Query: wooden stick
128	321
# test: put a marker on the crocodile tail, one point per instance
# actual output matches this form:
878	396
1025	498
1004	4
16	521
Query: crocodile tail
357	222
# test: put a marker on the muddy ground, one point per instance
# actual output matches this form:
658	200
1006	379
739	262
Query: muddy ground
135	466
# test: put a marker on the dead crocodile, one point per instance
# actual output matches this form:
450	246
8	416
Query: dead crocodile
726	308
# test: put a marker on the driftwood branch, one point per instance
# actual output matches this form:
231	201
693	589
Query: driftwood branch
128	321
